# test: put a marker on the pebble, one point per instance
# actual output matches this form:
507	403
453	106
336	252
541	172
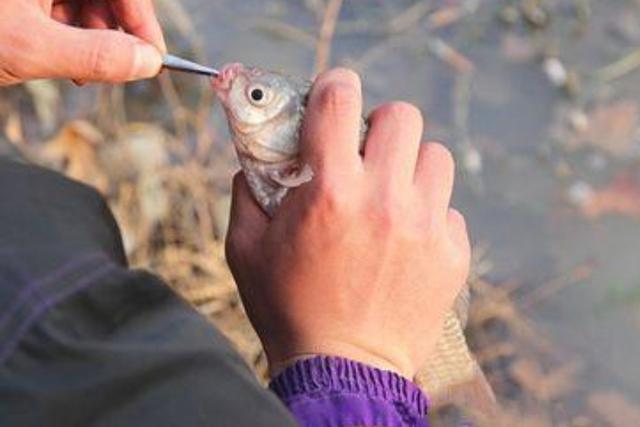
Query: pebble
472	160
555	71
579	193
579	120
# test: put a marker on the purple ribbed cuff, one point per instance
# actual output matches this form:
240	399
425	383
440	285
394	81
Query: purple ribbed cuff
336	392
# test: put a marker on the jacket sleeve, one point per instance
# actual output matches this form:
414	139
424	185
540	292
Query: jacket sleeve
336	392
84	340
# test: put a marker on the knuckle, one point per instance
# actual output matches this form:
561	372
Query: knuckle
106	61
344	75
98	66
390	216
440	155
386	222
332	198
402	111
457	219
339	96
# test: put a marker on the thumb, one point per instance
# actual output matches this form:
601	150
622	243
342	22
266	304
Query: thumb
97	55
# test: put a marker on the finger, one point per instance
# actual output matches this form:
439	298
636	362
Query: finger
434	175
331	129
94	55
459	237
139	18
393	142
247	221
457	227
97	15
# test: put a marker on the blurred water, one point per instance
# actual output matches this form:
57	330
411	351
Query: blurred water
516	205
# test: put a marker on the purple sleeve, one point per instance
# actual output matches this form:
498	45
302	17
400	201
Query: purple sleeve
335	392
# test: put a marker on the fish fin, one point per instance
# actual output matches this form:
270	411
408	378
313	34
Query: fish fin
474	396
295	179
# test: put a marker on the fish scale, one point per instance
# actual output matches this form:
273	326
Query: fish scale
258	126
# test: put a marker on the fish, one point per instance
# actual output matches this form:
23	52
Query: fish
265	110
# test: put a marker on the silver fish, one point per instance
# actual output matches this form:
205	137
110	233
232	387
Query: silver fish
265	110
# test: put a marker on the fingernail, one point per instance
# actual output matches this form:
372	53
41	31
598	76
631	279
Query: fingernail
148	61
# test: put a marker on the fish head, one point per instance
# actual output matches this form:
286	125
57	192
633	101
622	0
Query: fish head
264	110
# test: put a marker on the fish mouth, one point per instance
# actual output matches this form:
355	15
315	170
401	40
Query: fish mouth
222	84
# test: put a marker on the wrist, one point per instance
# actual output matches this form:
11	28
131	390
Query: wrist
399	365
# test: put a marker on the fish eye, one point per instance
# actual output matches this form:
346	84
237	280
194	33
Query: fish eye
258	95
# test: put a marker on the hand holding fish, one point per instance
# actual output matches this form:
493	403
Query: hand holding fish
77	39
365	259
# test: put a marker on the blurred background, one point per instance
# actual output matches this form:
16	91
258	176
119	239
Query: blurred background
538	99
